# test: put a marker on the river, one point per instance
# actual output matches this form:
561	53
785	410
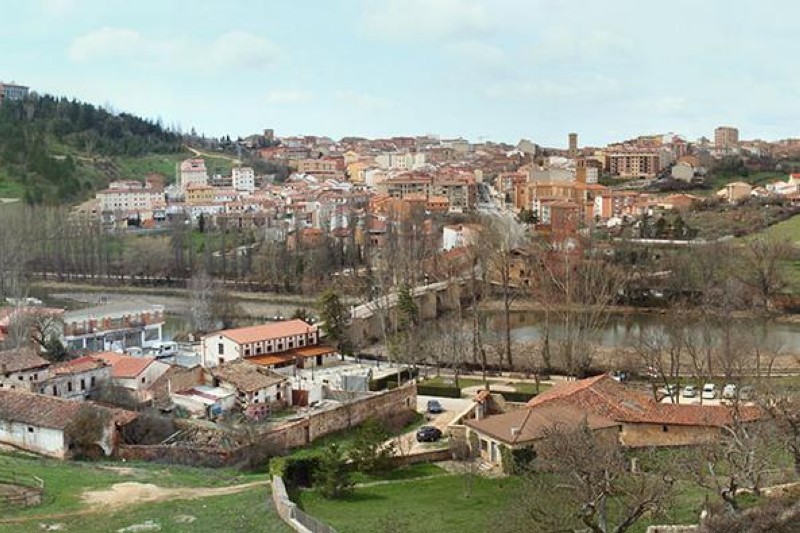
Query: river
624	330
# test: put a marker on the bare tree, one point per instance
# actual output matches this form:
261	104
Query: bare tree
591	485
761	268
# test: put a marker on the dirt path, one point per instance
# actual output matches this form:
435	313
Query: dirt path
131	493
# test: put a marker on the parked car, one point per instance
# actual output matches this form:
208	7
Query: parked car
435	407
729	391
689	391
746	393
709	391
428	434
670	390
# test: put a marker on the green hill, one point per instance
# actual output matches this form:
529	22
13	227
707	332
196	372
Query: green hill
57	150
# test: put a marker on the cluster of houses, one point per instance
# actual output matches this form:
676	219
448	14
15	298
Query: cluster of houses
118	361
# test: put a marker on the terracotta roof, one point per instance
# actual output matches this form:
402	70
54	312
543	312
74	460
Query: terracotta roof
76	366
124	366
269	360
604	396
48	411
246	377
21	359
532	423
267	331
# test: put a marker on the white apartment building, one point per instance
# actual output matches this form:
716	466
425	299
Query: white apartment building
243	179
401	161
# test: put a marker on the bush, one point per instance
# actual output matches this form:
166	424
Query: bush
436	390
520	397
332	475
368	452
296	471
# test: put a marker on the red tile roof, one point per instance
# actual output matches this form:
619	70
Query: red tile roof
76	366
124	366
604	396
267	331
532	423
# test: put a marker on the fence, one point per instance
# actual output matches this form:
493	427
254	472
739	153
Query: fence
298	519
23	490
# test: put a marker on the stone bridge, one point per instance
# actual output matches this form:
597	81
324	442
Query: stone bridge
367	320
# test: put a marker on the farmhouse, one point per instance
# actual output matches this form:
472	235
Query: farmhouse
137	374
282	344
644	421
257	389
22	368
77	379
38	423
523	428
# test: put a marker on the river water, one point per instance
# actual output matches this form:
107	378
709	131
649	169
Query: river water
625	330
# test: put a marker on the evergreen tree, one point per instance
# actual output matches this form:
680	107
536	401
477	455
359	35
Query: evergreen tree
332	476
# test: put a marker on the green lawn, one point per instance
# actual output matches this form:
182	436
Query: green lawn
138	167
530	388
243	512
66	481
448	503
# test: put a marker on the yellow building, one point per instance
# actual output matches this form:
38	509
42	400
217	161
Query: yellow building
200	194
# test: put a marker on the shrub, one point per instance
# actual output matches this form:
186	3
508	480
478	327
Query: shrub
436	390
332	476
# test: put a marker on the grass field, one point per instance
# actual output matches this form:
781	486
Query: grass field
788	229
66	482
447	503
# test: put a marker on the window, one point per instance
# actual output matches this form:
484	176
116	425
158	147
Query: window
69	386
221	360
55	390
30	429
142	379
221	349
258	350
83	384
246	352
664	428
21	378
278	396
291	344
92	382
36	377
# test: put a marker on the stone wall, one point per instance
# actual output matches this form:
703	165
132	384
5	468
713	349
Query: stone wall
175	379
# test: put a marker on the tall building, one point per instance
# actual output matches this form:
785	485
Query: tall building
573	144
11	91
633	163
726	137
193	172
243	179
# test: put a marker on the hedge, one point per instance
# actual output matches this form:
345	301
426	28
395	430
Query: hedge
390	381
520	397
433	390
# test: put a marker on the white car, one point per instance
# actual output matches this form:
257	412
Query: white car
729	391
689	391
709	391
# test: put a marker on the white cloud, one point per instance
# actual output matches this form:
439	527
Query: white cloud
412	20
363	101
287	96
235	50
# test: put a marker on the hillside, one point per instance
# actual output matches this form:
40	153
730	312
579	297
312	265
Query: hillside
58	150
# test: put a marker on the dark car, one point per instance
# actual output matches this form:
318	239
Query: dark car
428	434
434	407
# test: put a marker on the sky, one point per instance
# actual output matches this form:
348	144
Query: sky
497	70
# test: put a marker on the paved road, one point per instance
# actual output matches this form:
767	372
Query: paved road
452	406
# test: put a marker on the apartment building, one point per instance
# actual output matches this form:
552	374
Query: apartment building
726	137
12	91
633	163
193	172
243	179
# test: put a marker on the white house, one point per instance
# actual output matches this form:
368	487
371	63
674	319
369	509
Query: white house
37	423
137	374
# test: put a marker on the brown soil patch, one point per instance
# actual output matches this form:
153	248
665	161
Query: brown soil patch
132	493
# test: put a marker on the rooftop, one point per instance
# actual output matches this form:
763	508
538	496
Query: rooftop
532	423
124	366
262	332
21	359
48	411
246	377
